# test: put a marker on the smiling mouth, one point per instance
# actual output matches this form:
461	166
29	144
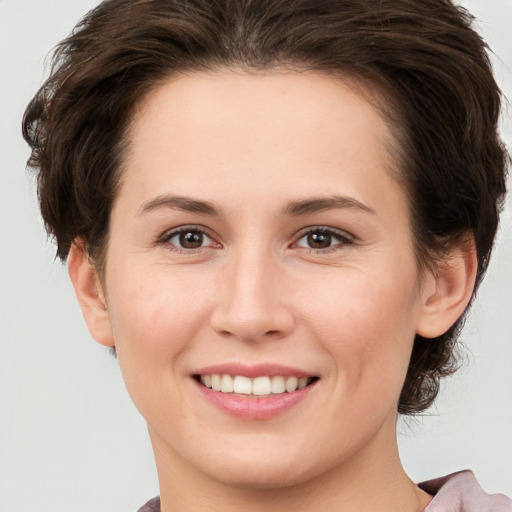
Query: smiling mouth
258	387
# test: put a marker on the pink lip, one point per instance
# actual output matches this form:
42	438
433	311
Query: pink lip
258	370
254	408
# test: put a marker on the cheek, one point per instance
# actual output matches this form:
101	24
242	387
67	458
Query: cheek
156	315
367	324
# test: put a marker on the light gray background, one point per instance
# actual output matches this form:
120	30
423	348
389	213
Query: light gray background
70	439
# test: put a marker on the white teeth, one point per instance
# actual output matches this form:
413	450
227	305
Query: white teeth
278	385
259	386
216	382
242	385
291	384
226	384
303	382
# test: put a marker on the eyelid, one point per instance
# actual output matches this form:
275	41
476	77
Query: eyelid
344	238
166	236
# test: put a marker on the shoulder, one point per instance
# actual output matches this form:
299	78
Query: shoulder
460	492
151	506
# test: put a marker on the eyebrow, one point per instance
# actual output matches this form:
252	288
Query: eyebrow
294	208
185	204
319	204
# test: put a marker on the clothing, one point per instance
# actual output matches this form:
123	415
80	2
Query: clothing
458	492
151	506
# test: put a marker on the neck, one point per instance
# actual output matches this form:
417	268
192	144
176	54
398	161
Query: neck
373	479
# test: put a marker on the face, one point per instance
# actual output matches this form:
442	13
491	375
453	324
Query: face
259	242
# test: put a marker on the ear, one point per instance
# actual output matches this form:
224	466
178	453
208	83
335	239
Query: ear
90	295
447	291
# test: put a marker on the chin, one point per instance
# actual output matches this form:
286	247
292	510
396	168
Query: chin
258	476
262	469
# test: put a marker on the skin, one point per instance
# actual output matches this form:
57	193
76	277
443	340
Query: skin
255	292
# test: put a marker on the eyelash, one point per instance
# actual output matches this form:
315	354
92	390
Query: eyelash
344	239
166	238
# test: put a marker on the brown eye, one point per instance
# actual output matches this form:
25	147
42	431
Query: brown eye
188	239
319	240
191	239
324	239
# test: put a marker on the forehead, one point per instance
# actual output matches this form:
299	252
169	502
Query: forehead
257	125
280	97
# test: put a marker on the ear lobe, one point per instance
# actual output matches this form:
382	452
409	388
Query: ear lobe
89	293
453	284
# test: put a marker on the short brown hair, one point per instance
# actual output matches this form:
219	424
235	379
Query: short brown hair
424	57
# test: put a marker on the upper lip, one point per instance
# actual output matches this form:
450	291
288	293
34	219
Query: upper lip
252	371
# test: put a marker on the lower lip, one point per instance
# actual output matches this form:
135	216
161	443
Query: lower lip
254	408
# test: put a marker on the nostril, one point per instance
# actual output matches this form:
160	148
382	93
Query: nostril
249	312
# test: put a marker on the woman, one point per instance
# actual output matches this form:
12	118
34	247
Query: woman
276	213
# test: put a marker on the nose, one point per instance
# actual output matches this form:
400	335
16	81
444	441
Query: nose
251	304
